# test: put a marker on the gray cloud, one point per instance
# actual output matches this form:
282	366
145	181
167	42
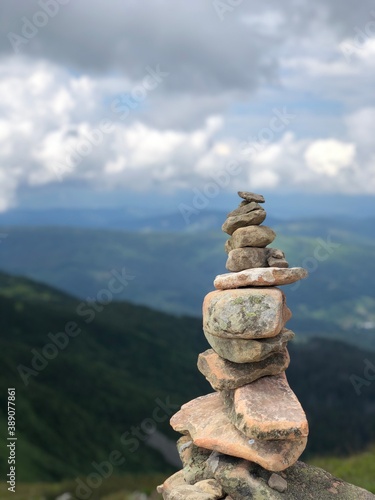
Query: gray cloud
187	39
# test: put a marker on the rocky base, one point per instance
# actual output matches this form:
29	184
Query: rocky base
235	479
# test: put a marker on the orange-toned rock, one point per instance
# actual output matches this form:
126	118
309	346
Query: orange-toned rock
250	313
267	409
247	350
225	375
206	420
261	276
173	481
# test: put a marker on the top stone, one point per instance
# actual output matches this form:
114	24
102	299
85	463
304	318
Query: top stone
247	196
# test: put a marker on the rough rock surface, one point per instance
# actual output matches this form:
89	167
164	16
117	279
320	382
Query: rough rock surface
264	276
248	351
276	253
225	375
252	236
239	479
244	480
247	219
245	209
282	263
175	488
267	409
250	313
246	258
248	196
217	433
276	258
277	483
194	460
227	246
240	259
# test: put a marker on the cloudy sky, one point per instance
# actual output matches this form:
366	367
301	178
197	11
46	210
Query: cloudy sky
99	98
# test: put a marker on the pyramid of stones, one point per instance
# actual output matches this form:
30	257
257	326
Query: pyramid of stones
253	419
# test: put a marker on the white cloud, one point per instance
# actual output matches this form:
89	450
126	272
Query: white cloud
361	126
329	156
264	179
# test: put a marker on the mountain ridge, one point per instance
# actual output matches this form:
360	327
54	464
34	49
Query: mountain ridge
173	271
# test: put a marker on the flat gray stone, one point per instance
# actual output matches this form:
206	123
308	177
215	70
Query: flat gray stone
248	351
244	208
248	196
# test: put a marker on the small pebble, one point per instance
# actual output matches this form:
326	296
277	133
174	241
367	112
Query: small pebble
277	483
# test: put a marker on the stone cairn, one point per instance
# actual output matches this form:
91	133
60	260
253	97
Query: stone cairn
237	441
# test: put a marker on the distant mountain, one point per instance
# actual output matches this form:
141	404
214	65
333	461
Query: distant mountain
173	271
127	371
157	201
122	218
204	220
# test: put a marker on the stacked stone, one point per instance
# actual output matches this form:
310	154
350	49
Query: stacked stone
246	247
253	423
